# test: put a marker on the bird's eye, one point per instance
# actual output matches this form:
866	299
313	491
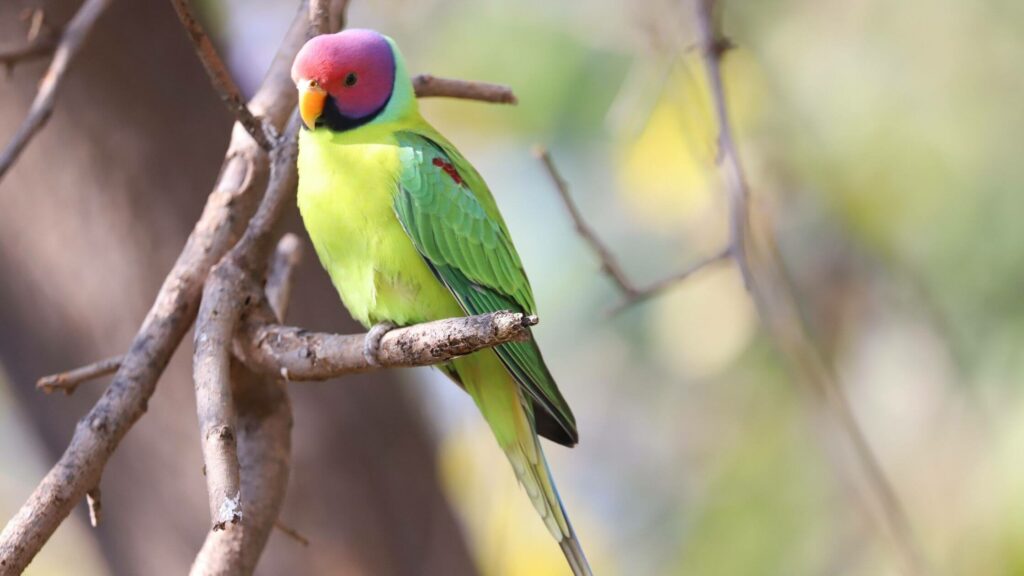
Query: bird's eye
314	84
351	79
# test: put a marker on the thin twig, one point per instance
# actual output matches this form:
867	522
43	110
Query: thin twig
292	533
38	48
70	44
659	287
220	78
286	258
295	354
631	294
94	500
69	381
427	86
777	305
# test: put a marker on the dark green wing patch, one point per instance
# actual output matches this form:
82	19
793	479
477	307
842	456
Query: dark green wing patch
470	252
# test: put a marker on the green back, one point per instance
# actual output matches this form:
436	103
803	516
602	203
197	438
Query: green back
447	210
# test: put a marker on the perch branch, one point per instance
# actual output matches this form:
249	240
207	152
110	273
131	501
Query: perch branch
296	354
631	294
71	41
69	381
220	78
777	304
427	86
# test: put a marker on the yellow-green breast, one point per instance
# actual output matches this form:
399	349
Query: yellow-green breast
347	184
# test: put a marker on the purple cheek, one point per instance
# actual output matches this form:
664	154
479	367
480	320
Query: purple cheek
366	73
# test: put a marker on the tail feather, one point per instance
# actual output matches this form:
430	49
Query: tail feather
569	543
574	555
535	476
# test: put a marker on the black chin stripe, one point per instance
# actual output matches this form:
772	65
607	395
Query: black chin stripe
335	121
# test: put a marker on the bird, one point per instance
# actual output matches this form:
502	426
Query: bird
409	232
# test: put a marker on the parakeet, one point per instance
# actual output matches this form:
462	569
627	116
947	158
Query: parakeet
409	232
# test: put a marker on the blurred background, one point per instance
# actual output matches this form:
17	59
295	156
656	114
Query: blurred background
881	137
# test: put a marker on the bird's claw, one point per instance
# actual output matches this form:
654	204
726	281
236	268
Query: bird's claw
371	344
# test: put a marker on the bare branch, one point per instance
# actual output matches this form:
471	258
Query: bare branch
609	264
319	17
69	381
219	76
296	354
287	256
230	288
38	48
264	455
124	402
292	533
70	44
95	503
777	304
427	86
659	287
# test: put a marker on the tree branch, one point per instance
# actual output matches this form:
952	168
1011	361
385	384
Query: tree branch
70	44
124	402
264	456
295	354
220	78
38	48
631	294
765	278
69	381
287	256
427	86
232	285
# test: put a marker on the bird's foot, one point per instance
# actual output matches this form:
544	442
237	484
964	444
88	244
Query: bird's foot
371	345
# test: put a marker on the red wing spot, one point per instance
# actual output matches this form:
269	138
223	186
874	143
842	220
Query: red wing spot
449	169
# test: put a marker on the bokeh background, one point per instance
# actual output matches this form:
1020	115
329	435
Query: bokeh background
882	138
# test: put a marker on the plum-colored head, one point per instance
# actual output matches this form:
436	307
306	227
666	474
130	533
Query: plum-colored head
344	79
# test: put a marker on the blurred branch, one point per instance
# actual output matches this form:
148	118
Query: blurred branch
38	48
295	354
766	280
219	76
292	533
95	503
69	381
609	264
71	41
287	256
427	86
319	17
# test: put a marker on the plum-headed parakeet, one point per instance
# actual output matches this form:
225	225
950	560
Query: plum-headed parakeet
409	233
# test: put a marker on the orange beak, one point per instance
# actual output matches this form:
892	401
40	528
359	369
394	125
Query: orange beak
311	102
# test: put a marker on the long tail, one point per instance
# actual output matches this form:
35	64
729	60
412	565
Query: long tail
532	469
570	543
503	406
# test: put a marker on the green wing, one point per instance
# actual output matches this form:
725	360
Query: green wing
449	214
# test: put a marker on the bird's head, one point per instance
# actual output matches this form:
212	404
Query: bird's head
346	80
